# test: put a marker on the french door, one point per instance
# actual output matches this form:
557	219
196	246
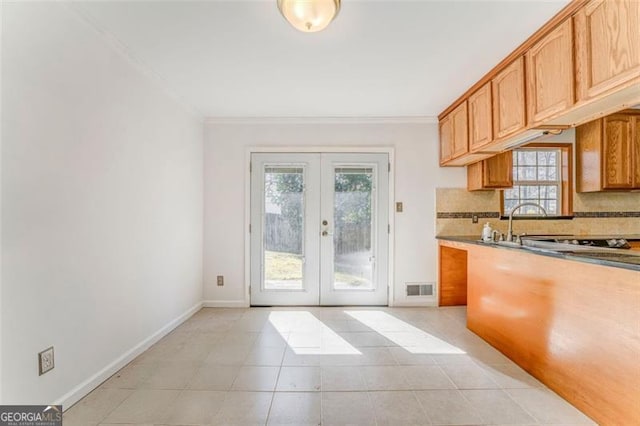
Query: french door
319	229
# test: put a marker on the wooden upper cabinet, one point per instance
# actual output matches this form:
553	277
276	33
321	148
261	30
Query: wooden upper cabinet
460	131
608	153
454	134
607	46
480	119
446	139
509	100
636	154
499	171
588	156
493	173
549	70
617	150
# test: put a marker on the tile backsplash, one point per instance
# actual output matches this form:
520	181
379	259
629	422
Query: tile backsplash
594	214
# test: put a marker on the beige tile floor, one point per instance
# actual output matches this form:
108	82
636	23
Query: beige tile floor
323	366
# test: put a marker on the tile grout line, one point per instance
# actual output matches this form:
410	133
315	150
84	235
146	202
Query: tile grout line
375	415
455	386
522	407
484	421
424	409
321	395
275	386
110	411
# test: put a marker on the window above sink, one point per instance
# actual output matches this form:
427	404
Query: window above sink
541	175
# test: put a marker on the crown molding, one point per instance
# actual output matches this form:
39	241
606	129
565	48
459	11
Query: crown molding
323	120
123	50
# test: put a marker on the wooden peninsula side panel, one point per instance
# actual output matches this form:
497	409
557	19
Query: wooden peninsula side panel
452	275
573	325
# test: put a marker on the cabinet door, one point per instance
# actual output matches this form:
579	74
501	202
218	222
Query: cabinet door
617	170
446	139
460	131
550	74
493	173
508	100
636	152
474	176
589	156
607	45
498	171
480	122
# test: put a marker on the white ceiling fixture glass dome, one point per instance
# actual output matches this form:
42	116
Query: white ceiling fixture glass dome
309	16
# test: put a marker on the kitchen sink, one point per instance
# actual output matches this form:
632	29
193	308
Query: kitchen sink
551	245
508	244
539	245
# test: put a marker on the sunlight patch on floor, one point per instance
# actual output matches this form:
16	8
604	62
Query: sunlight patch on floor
307	335
404	334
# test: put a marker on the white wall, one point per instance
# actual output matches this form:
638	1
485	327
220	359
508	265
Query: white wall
416	176
101	204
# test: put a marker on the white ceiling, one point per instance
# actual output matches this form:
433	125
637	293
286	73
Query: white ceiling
377	59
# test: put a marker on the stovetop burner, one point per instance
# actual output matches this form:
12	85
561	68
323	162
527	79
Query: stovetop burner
619	243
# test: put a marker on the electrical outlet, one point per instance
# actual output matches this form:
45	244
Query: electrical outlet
474	218
45	361
220	280
399	207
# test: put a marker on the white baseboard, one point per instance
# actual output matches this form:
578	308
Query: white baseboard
225	304
94	381
415	304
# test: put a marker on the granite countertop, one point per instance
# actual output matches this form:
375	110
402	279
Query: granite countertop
618	258
630	237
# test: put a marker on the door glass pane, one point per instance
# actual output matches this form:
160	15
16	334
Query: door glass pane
353	229
283	237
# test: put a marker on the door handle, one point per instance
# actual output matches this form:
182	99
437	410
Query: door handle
325	233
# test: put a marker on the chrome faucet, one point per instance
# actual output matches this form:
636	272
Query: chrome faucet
510	231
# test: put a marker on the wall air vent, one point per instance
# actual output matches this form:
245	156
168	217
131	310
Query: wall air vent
420	289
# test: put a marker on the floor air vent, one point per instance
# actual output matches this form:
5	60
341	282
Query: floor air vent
419	289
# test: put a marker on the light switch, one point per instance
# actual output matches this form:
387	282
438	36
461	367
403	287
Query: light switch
399	207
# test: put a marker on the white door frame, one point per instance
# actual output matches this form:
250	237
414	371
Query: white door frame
323	149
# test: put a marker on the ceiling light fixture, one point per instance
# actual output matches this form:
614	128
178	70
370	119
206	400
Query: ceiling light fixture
309	16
